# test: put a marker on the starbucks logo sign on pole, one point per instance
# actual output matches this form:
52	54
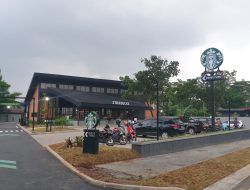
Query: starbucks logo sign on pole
211	59
91	120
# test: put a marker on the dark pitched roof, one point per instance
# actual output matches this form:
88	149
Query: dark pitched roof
94	99
55	78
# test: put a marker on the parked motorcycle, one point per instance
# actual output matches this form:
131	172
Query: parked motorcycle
233	125
131	134
106	136
119	133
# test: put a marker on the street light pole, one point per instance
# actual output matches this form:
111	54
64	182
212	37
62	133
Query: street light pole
229	114
157	108
47	119
33	114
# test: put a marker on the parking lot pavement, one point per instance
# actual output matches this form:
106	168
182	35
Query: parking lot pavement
155	165
53	138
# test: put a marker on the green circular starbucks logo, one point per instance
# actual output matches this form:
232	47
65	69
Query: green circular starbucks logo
211	58
91	120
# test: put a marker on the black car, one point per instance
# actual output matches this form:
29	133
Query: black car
167	128
205	123
175	123
194	126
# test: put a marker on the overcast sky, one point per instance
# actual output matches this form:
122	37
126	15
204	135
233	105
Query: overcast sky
108	38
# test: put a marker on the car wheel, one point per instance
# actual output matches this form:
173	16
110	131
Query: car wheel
191	131
164	135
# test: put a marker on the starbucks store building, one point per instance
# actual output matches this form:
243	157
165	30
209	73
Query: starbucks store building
51	96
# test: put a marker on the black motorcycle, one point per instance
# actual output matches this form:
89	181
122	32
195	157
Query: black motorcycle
119	136
106	136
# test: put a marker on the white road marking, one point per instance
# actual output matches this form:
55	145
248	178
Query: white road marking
11	131
8	134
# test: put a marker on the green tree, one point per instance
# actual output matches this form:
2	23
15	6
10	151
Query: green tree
6	98
192	97
238	94
186	97
143	86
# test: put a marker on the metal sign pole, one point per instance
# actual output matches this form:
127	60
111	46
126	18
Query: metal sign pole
212	104
211	59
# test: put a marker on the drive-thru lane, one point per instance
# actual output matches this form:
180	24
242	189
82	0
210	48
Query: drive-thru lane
25	165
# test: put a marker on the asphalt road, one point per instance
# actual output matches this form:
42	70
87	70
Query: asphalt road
25	165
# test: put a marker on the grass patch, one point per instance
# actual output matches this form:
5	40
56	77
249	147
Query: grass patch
194	177
201	175
106	154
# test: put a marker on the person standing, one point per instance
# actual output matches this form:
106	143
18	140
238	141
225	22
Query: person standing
236	123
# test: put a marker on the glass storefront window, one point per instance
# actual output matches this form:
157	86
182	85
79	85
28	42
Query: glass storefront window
83	88
66	86
47	85
98	89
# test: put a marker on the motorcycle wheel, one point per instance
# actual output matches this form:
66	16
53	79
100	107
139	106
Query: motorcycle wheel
123	140
110	141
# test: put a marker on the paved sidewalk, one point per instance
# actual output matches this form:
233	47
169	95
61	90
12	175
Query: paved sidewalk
234	181
46	139
53	138
244	185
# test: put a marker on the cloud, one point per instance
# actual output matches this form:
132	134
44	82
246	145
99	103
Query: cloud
108	38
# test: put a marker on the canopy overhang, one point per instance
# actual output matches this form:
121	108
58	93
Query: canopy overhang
89	99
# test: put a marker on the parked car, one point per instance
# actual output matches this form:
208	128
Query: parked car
167	128
206	124
175	123
194	126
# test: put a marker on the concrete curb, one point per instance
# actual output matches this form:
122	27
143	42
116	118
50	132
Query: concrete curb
232	180
29	133
106	184
24	129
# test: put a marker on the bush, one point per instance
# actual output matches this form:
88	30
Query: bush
68	143
61	121
78	140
